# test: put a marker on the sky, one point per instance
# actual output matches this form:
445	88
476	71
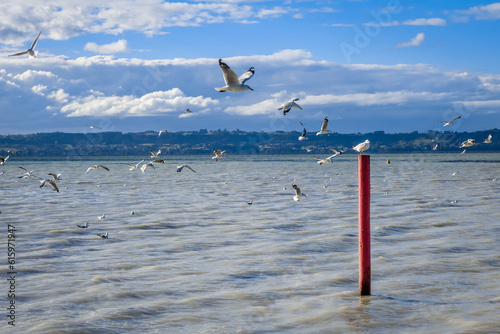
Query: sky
133	66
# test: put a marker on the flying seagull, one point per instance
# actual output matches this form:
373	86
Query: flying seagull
179	168
329	159
324	127
31	50
486	140
134	167
447	123
303	135
43	183
55	177
155	154
468	143
162	131
93	126
27	173
218	154
289	105
2	160
233	83
362	146
298	193
150	164
188	111
96	167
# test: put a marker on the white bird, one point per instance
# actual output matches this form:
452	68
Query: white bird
454	173
93	126
362	146
448	123
463	151
43	183
31	50
102	217
179	168
218	154
150	164
103	236
324	127
134	167
329	159
468	143
233	83
289	105
27	173
435	147
303	135
162	131
2	160
298	193
55	177
488	140
96	167
155	154
84	225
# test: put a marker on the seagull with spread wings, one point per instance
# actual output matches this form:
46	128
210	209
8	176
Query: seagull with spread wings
155	154
134	167
179	168
233	83
30	51
324	128
329	159
448	123
289	105
303	135
298	193
218	154
44	183
96	167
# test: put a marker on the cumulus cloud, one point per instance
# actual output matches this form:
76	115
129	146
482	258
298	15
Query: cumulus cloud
415	41
66	19
119	46
70	90
154	103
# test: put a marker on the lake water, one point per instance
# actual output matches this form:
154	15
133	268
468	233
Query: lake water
196	258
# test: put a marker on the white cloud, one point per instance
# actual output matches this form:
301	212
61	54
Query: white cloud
426	22
416	22
154	103
119	46
132	90
487	12
415	41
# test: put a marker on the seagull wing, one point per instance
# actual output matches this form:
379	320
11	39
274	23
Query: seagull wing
246	76
159	161
19	54
453	120
104	167
230	78
324	126
53	185
190	168
24	169
304	132
35	41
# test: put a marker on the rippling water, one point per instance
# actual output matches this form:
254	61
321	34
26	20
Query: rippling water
196	258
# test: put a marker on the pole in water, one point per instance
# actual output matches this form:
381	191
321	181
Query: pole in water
364	225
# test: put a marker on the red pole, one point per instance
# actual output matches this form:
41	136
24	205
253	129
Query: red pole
364	225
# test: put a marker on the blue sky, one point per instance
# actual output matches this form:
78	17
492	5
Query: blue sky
131	66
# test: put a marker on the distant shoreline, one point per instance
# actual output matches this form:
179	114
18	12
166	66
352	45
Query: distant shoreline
237	142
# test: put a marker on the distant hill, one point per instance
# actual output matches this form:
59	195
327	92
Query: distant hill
235	142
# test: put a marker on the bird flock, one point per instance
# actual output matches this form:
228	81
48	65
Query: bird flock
234	84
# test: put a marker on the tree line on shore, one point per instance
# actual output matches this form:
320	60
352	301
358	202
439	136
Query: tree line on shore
236	142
